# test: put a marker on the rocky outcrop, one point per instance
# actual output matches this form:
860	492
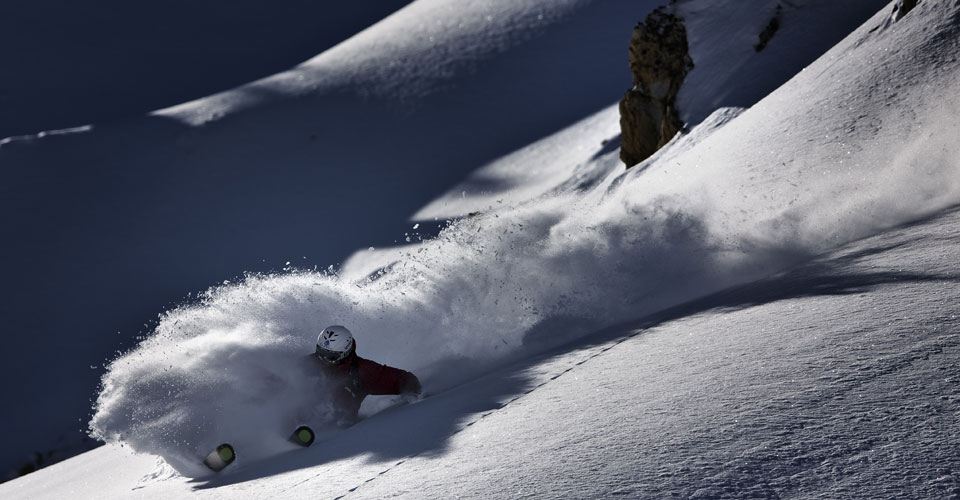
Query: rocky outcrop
771	29
902	8
659	61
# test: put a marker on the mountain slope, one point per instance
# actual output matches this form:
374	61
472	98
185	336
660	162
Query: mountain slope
735	201
600	246
836	379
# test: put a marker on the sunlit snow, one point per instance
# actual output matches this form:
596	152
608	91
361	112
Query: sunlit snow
709	323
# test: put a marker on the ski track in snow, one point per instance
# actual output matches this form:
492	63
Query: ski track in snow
591	355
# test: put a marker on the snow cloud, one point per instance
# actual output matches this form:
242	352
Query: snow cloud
488	290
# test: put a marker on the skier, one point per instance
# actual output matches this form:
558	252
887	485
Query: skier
352	378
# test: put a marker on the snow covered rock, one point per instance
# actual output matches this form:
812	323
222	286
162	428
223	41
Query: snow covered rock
659	61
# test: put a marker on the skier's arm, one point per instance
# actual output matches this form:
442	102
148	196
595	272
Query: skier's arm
379	379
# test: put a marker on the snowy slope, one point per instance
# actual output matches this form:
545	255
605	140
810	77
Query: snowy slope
834	380
608	246
600	248
106	226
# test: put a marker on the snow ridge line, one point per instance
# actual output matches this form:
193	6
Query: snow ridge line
484	415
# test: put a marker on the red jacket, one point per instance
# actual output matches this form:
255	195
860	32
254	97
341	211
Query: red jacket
354	378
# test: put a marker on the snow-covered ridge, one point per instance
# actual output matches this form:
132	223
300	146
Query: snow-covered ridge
75	63
858	142
408	55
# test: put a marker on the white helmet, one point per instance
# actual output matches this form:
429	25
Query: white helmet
334	344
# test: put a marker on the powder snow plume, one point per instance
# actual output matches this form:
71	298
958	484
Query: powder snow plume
487	290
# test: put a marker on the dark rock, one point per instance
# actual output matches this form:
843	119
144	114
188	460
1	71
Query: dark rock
903	7
659	62
770	30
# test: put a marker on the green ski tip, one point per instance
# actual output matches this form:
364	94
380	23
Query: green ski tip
221	457
303	436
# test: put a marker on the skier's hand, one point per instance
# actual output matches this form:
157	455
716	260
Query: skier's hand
412	385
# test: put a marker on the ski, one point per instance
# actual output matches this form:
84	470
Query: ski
224	455
220	457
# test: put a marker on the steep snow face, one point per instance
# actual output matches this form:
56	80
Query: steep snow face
730	72
857	141
831	156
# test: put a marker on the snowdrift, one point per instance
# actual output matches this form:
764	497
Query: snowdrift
859	141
